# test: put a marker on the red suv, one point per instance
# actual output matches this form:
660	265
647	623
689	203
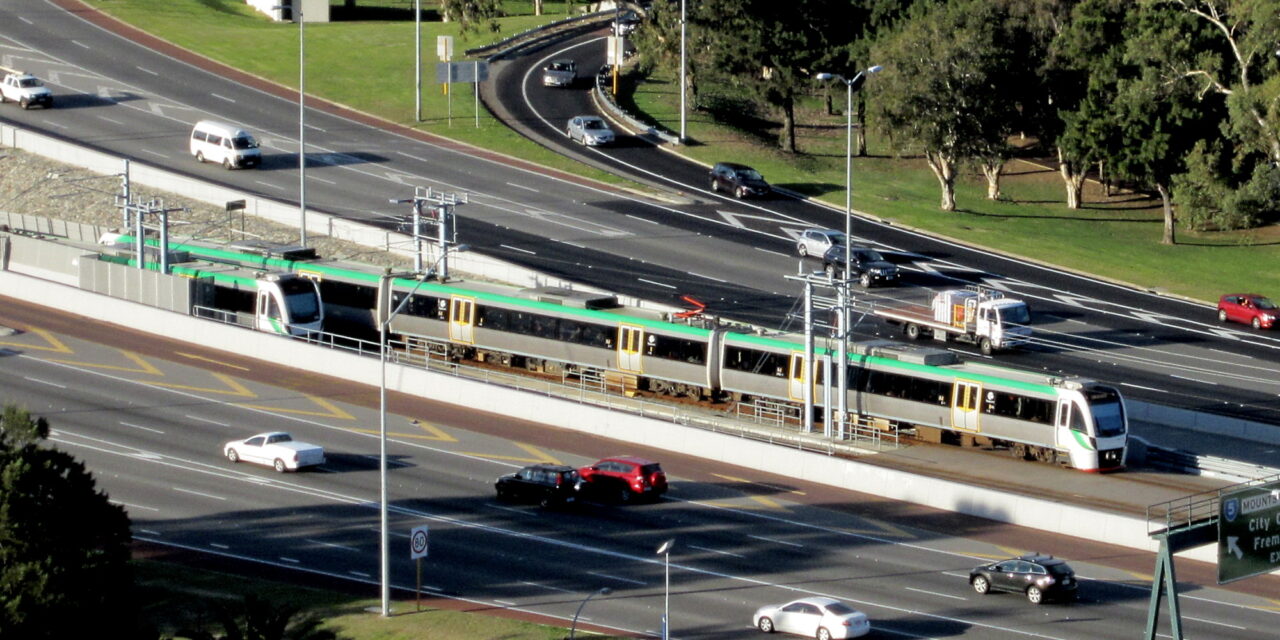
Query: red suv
624	478
1248	308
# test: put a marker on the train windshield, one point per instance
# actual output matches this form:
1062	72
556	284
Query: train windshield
301	300
1108	413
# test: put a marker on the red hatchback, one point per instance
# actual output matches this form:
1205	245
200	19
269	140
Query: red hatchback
624	478
1248	308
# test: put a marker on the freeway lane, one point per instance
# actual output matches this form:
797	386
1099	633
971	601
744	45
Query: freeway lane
134	101
148	415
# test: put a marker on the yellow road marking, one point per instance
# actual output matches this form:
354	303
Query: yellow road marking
217	362
233	388
539	456
1011	551
55	345
331	410
762	484
881	528
767	502
1145	577
433	432
143	366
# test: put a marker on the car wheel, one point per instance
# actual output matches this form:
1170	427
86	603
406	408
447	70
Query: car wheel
1222	315
26	104
715	186
199	156
1035	595
984	345
545	502
740	193
624	495
1256	324
823	634
865	280
913	331
800	249
279	465
981	585
765	625
233	456
226	163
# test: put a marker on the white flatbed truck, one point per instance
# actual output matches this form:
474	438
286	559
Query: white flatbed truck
976	315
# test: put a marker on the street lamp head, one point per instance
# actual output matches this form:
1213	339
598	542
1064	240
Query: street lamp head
666	546
824	76
875	68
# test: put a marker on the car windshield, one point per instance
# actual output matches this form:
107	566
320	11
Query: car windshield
749	174
30	82
1264	303
560	66
244	142
1019	314
867	255
840	609
593	124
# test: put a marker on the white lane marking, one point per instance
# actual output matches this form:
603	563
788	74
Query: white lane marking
572	244
935	593
660	284
56	125
150	532
508	603
642	219
312	126
330	544
521	186
81	44
776	541
619	579
110	120
706	276
1138	386
290	560
220	424
1222	624
507	246
719	551
268	184
413	157
130	505
361	574
232	100
1172	375
145	70
776	253
546	586
217	545
25	20
155	153
37	380
319	179
197	493
138	426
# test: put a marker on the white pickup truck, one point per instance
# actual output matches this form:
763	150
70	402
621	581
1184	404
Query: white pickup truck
24	89
276	449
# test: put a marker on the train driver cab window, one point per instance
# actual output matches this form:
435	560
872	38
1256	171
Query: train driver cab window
273	308
1077	420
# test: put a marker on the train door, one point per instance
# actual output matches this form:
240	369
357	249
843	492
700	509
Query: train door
630	341
268	315
462	320
964	405
796	376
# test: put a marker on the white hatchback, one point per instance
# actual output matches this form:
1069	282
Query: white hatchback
589	130
815	242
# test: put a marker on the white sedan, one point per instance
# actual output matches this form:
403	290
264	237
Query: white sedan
275	449
589	130
815	242
821	618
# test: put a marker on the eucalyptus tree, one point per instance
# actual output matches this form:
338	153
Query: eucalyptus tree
473	15
949	69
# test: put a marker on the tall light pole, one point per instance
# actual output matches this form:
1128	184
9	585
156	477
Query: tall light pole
842	325
295	7
683	85
573	628
384	533
665	551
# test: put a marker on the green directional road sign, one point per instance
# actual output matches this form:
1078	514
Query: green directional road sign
1249	532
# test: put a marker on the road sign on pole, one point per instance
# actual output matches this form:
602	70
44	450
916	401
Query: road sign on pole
418	542
1249	532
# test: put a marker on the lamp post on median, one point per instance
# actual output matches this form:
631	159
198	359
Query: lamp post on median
384	534
665	551
851	85
573	628
295	8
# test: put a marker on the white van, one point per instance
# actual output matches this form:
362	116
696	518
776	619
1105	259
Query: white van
226	143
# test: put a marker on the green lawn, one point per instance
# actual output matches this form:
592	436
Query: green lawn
178	596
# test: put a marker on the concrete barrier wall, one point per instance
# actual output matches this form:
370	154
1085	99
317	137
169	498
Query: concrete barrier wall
942	494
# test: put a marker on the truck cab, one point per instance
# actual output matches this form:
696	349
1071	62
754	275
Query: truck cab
985	316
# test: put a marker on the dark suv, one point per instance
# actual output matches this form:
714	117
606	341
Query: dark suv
623	478
546	484
869	267
1038	576
740	180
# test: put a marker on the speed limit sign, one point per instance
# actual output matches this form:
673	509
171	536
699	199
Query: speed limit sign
418	542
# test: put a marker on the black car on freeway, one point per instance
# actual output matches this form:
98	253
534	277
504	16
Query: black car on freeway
1039	577
866	265
547	485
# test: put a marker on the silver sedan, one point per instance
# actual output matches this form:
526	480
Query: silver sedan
589	130
815	242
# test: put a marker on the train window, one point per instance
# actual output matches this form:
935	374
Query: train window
1077	420
594	335
755	361
896	385
491	318
670	348
521	323
570	331
346	294
544	327
1011	405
